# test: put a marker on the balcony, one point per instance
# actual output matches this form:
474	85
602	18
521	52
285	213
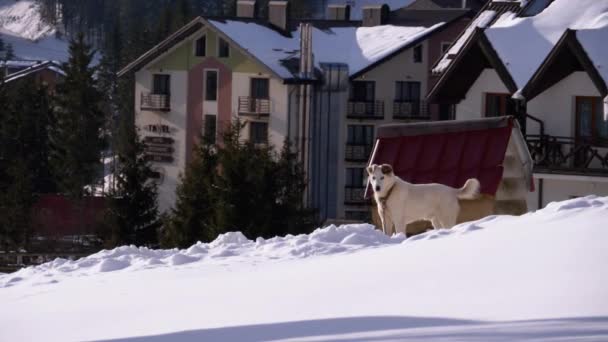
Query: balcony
566	155
365	110
357	152
410	110
355	195
252	106
160	102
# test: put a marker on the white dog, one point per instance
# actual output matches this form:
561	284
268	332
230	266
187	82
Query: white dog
400	202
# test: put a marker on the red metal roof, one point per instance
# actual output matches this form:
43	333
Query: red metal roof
446	152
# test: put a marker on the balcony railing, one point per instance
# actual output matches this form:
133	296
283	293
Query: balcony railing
252	106
365	110
160	102
567	155
414	110
355	195
357	152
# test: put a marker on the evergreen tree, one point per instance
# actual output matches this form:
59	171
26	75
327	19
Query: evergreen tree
24	117
77	136
191	218
133	211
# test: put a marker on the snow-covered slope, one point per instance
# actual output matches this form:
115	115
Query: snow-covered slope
541	276
31	38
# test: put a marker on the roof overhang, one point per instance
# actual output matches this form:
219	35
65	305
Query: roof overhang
566	57
476	55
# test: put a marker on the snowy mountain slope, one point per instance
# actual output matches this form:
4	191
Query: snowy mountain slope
31	38
541	276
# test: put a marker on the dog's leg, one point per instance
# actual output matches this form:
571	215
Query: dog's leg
436	223
382	213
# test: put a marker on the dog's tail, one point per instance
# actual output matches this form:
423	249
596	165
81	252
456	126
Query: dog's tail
470	190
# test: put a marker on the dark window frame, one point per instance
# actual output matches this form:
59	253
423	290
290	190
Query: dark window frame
258	132
362	135
418	54
505	105
259	83
223	48
200	50
210	128
354	177
362	91
597	118
211	93
408	91
161	84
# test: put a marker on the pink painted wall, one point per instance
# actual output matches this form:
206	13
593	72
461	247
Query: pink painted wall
195	110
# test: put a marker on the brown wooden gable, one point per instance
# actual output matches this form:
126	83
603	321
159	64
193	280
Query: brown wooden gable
566	57
476	55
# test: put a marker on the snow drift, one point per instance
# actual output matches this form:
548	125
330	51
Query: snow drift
540	276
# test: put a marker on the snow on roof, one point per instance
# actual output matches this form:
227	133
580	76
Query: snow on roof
356	6
482	20
594	44
359	47
50	65
523	43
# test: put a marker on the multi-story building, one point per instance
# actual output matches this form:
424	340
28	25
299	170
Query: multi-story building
545	63
323	84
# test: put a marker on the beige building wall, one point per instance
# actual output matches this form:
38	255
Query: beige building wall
399	68
175	119
277	120
473	105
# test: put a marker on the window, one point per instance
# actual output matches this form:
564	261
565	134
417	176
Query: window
361	216
590	123
362	91
445	46
499	105
418	54
258	132
161	84
360	135
259	88
354	177
201	47
210	85
407	91
209	133
223	49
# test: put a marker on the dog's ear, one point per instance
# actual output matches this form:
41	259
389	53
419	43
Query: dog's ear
386	169
371	168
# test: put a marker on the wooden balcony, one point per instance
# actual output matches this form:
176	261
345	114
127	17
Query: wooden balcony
365	110
159	102
357	152
410	110
566	155
252	106
355	195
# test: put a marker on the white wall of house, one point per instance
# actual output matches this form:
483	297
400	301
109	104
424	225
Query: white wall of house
473	105
175	119
556	106
561	187
278	92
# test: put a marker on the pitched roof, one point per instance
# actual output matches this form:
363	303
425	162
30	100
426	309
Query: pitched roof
446	152
333	41
50	65
523	34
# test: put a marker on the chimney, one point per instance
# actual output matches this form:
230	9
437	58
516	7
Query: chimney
246	8
375	15
277	13
338	12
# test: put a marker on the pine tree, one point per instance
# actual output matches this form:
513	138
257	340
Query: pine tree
23	157
191	218
133	211
77	137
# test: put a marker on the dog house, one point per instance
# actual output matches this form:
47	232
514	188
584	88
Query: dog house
493	150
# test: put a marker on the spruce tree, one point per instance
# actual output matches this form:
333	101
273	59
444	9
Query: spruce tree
77	136
191	218
133	211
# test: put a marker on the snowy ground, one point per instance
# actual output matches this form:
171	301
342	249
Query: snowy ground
539	277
